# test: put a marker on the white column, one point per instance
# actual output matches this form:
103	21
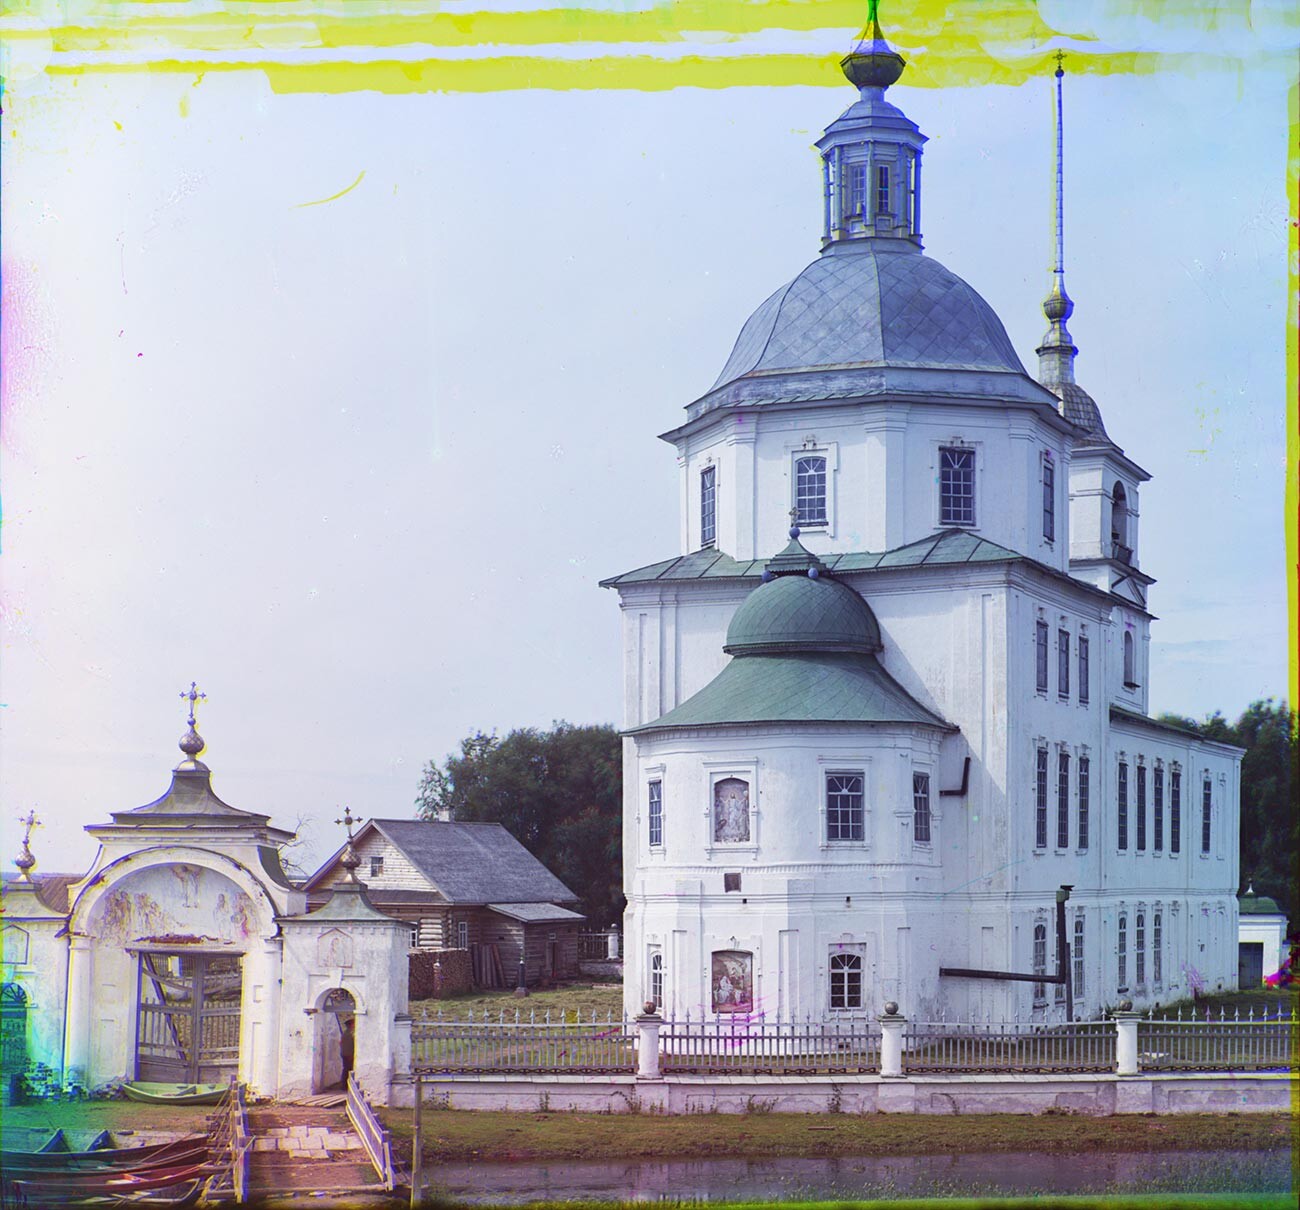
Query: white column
1126	1039
647	1048
76	1049
611	941
891	1042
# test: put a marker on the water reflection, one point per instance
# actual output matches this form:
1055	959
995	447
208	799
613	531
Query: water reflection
1005	1174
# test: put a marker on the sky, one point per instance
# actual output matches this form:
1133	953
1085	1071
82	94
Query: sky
341	399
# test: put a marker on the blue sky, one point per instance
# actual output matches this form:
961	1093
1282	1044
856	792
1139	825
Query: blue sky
357	467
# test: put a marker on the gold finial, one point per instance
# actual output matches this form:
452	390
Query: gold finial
349	861
25	861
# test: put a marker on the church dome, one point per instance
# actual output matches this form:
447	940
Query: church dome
799	613
873	304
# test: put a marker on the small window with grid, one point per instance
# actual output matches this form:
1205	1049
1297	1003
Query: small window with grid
844	811
846	980
1040	656
1085	771
1083	669
956	486
1040	963
1063	663
656	813
921	808
810	490
708	506
1040	800
1049	499
857	191
1121	807
1063	800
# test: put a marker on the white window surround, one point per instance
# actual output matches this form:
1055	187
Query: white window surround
928	774
860	774
937	446
846	978
746	771
855	765
830	450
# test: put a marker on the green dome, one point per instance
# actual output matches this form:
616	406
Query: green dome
799	613
1250	904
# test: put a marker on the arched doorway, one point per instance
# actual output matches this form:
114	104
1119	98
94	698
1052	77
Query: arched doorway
335	1039
13	1032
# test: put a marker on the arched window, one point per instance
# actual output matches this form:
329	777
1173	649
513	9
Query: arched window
1119	524
1157	962
1122	956
846	980
1040	962
657	978
1130	662
810	489
708	506
1140	950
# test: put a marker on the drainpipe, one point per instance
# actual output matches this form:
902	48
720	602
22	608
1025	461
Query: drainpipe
1063	949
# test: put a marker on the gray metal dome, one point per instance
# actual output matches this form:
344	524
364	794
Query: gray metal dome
875	306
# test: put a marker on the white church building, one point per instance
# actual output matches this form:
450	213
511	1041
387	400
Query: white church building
863	758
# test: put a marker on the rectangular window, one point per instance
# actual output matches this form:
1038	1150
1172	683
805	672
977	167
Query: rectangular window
1121	814
844	806
1040	801
956	487
810	490
921	808
1083	670
882	190
1122	956
708	506
1157	963
656	813
1040	962
1063	800
462	934
857	190
1206	803
376	866
1040	657
846	980
1158	811
1085	767
1140	951
1063	663
1049	499
1175	810
1141	806
1077	955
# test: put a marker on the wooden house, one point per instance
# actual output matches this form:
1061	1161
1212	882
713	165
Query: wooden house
469	886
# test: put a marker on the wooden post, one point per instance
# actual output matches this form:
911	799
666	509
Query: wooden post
417	1145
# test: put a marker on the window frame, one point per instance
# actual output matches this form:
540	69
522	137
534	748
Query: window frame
856	816
844	968
1063	799
1207	815
655	812
1157	941
1175	809
1158	809
859	183
1040	798
883	191
1040	656
709	507
1040	964
957	508
376	866
1121	953
655	970
1084	789
809	522
1049	498
1140	809
1082	648
1140	950
1121	807
1062	662
922	814
1130	661
1077	957
462	934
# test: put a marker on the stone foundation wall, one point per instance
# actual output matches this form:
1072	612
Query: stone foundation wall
1098	1096
436	974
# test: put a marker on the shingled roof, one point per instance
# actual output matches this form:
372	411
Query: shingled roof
470	863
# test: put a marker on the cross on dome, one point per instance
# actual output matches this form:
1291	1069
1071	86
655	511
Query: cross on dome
192	743
25	861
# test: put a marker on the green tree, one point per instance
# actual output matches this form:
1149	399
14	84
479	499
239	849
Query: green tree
559	792
1270	824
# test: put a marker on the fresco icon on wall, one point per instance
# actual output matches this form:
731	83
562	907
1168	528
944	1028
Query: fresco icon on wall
731	810
733	981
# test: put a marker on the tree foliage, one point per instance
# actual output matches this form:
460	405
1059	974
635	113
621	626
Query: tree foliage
559	792
1270	824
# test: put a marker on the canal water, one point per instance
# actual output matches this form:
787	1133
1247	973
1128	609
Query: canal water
1006	1174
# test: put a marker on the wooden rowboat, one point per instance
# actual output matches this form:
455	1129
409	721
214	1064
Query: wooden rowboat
175	1094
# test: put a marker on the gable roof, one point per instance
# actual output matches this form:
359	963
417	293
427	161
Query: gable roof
470	863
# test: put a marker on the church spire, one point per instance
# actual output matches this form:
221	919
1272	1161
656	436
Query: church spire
871	155
1057	352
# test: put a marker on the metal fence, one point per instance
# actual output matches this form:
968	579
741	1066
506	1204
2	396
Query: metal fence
523	1043
1010	1046
1252	1041
597	947
753	1046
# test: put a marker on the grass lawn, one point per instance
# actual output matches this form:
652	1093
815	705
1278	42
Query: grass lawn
490	1135
585	998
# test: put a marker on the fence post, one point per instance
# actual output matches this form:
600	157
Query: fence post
647	1046
401	1044
1126	1039
891	1042
611	941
